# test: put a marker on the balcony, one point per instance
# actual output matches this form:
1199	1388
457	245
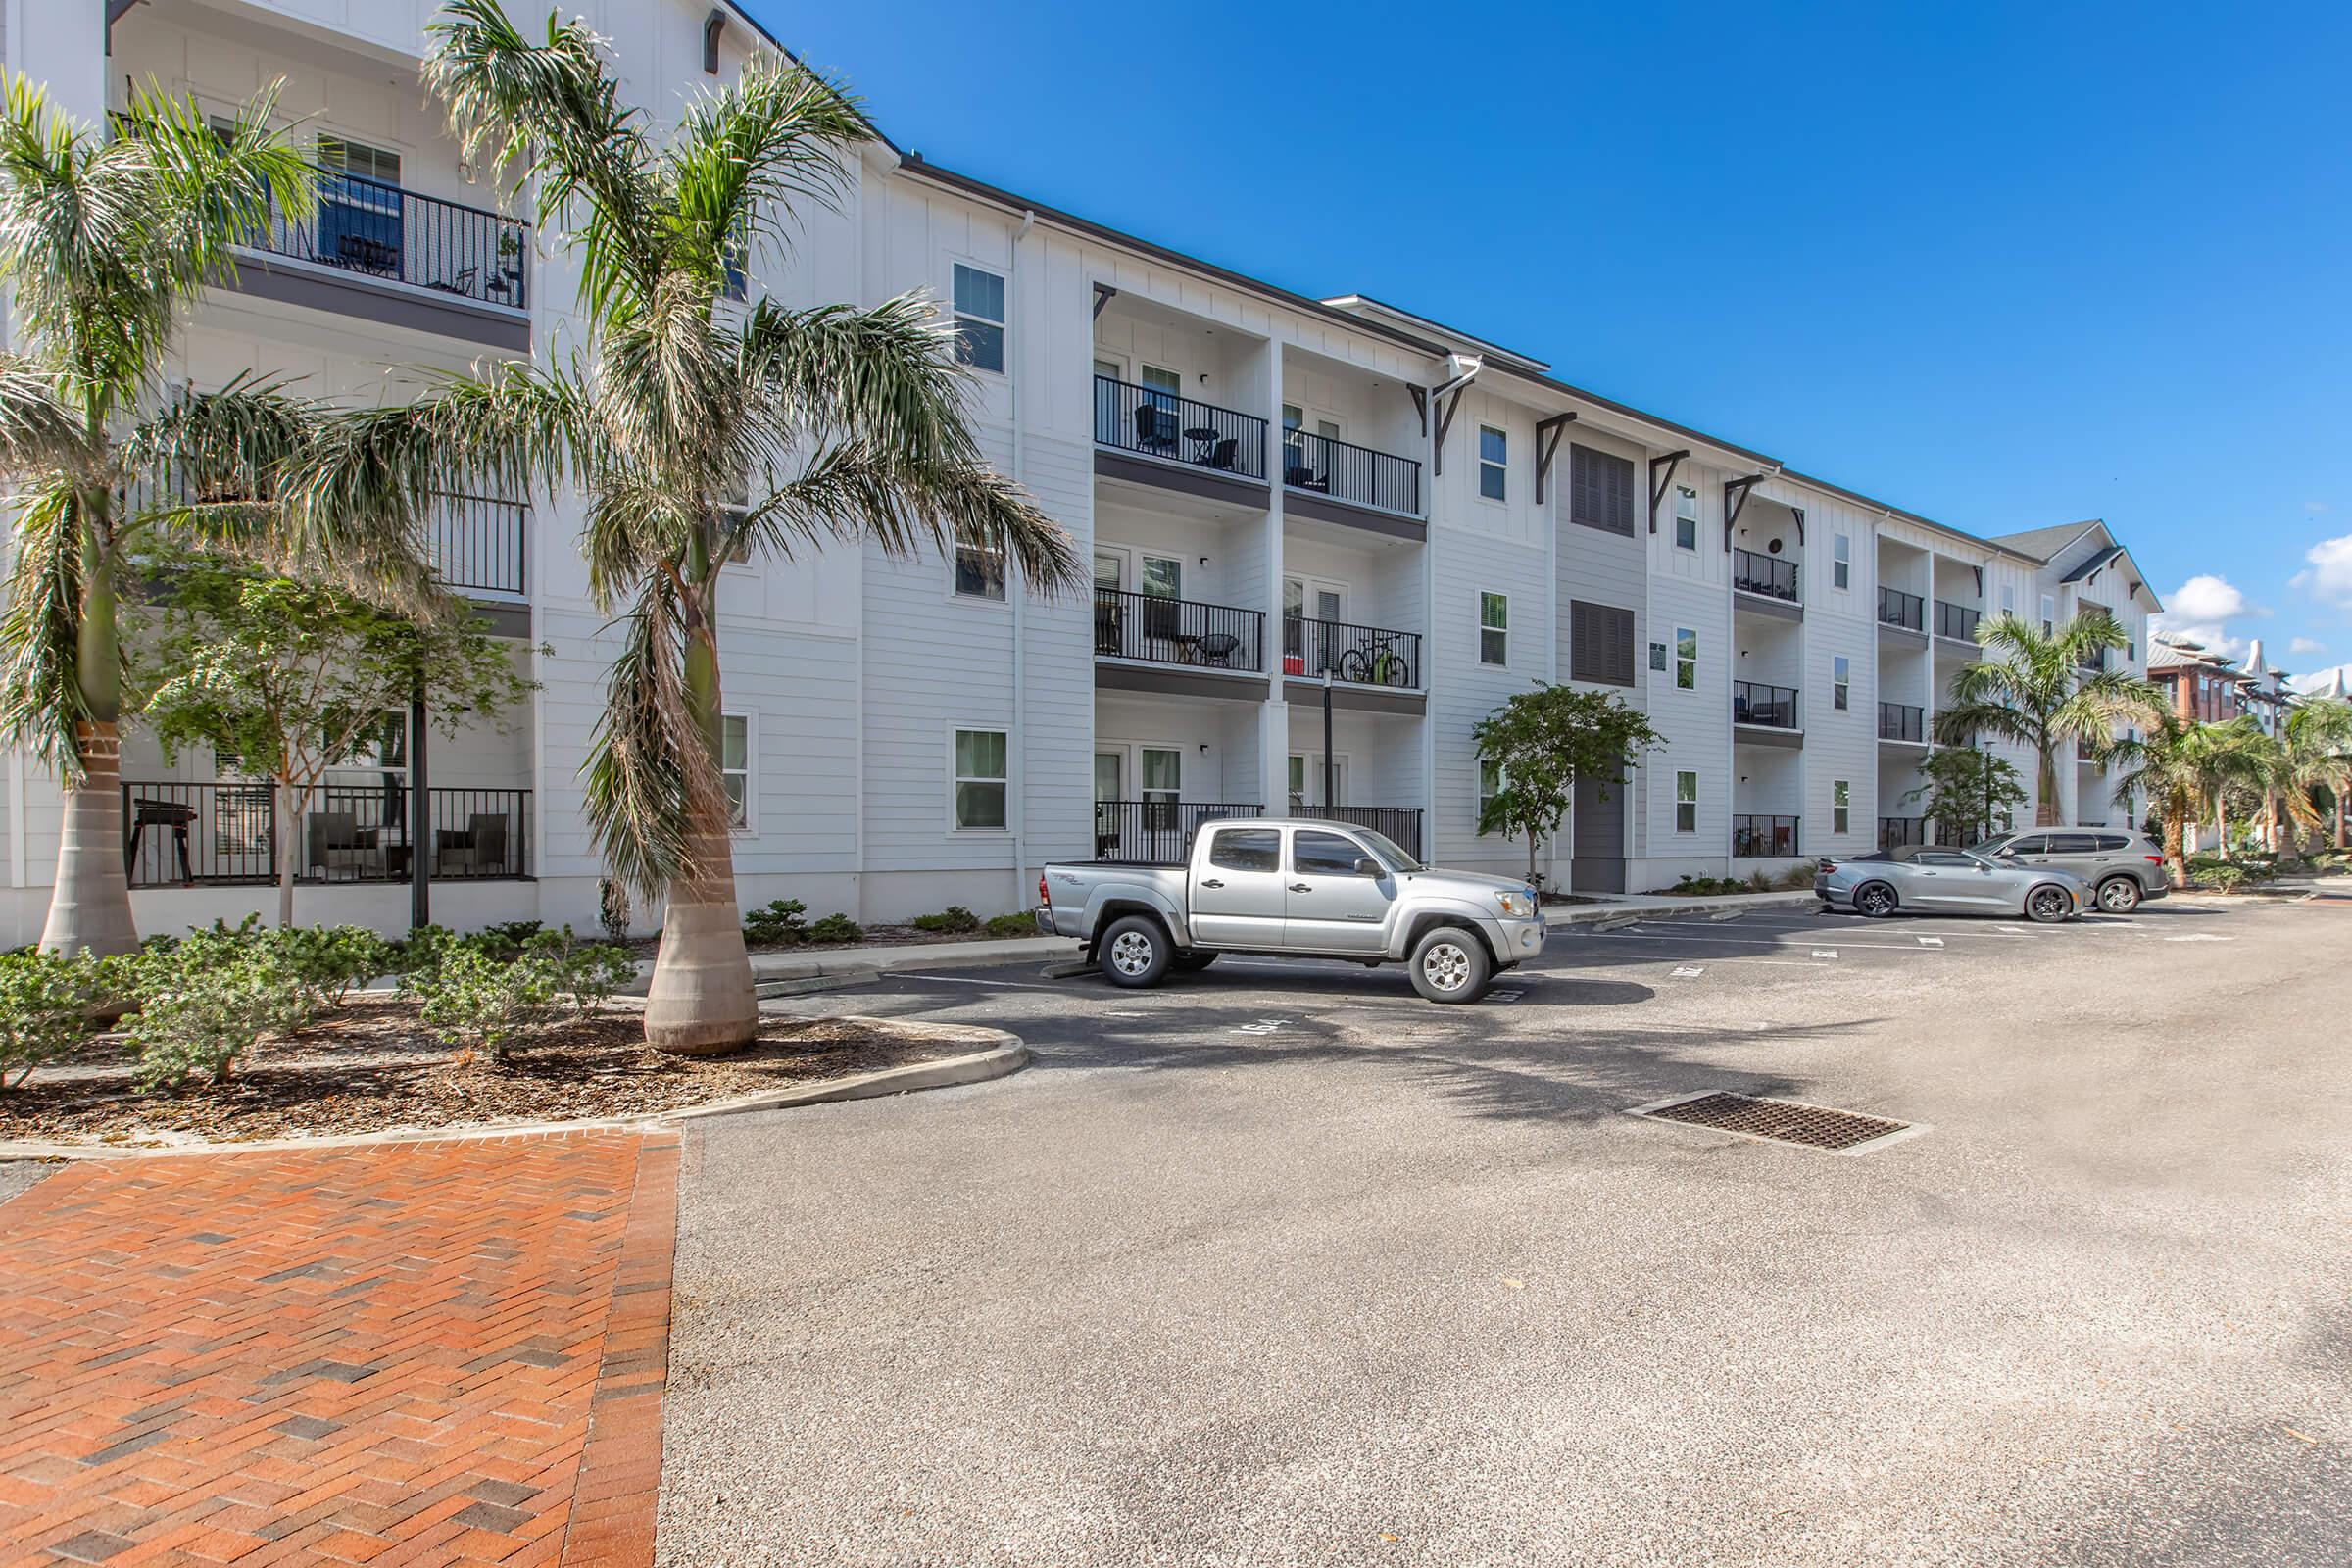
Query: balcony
1758	837
1899	608
1957	621
477	544
1188	444
1159	832
1897	832
1900	721
1767	707
1182	632
1401	825
400	257
226	834
1318	465
1766	577
1363	656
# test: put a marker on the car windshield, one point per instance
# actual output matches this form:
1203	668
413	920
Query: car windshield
1386	847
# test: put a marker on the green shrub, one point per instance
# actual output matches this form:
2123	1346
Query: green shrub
584	973
779	923
204	1001
1794	878
1015	925
954	917
473	1002
326	962
1758	882
836	928
421	951
506	939
45	1009
2223	877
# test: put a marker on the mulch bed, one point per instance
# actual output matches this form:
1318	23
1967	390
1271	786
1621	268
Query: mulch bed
876	936
371	1067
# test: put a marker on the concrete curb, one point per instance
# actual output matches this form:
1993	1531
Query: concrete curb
1002	1055
867	962
1666	909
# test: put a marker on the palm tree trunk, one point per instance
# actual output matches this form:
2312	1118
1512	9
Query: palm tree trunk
89	900
701	1002
2339	816
2175	847
2045	808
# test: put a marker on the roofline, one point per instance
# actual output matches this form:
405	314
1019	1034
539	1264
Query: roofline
1485	345
734	9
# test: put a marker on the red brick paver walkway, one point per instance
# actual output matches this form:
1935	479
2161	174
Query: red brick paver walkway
447	1352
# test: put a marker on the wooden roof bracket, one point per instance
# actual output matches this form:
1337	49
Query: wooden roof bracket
1660	483
1546	450
1735	501
1420	404
1103	293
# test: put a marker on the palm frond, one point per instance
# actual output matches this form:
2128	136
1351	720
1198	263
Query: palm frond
646	762
39	429
40	631
745	154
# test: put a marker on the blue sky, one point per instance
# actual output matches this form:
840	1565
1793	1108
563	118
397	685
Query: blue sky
2002	265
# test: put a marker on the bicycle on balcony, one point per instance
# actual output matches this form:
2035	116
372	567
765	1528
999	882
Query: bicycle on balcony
1378	664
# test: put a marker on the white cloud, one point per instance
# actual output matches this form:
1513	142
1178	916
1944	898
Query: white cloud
2206	598
2329	575
2306	645
2324	678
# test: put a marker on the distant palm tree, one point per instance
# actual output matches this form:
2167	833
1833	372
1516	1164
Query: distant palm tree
106	240
2315	753
701	431
2044	691
2183	768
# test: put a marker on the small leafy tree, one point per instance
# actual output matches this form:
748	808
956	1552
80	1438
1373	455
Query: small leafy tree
295	678
1966	788
1546	739
47	1004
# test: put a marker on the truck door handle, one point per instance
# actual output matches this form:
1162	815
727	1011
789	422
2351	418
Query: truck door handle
1301	887
1211	882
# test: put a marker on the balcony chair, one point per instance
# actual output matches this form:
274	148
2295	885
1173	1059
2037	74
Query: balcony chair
479	849
1110	621
1224	454
337	843
1154	429
461	283
1219	649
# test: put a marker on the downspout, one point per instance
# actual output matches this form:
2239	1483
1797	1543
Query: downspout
1020	595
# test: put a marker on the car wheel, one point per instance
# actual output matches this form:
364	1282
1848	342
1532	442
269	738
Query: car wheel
2118	895
1134	952
2049	903
1876	900
1191	963
1450	964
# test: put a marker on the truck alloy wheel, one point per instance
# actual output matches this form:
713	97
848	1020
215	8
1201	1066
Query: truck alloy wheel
1449	965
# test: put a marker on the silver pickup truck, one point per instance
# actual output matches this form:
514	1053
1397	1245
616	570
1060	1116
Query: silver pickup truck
1300	889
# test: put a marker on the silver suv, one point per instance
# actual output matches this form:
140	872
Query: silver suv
2125	868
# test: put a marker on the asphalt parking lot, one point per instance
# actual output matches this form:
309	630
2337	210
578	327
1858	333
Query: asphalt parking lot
1278	1264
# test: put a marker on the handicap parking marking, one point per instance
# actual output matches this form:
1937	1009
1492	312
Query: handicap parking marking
1263	1026
1929	942
1686	972
1825	952
1499	995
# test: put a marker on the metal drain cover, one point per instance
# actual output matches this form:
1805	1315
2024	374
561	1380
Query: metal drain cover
1782	1121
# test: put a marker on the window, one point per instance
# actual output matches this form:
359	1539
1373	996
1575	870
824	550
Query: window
1842	672
1494	628
2111	842
1685	517
1490	785
1162	774
1494	462
735	767
1686	659
1685	803
1841	801
980	778
2008	601
359	221
1601	493
1601	644
2033	844
1247	849
2049	614
979	570
2073	844
979	318
1657	658
2132	649
359	159
1160	577
1841	562
1324	854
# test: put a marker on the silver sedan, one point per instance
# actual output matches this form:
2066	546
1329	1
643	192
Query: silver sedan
1952	882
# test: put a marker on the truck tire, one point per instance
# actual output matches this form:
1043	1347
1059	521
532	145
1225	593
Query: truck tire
1450	964
1134	952
1191	963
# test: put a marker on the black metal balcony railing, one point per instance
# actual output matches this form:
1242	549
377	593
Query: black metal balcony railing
1177	631
1400	824
1752	573
1772	706
1159	832
1368	656
1899	608
1330	466
1895	832
1947	837
1956	621
377	229
479	542
213	834
1763	837
1156	423
1900	721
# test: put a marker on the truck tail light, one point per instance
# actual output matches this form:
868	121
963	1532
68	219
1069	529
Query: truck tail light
1044	898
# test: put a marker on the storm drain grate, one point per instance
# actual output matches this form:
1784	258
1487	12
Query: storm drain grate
1786	1121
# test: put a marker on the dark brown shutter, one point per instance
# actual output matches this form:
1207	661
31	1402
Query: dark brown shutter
1600	490
1601	644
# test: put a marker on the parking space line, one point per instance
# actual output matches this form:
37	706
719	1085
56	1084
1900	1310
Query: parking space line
971	980
1753	942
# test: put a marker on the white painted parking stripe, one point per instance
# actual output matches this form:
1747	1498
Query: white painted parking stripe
1930	942
1752	942
1825	952
1686	972
970	980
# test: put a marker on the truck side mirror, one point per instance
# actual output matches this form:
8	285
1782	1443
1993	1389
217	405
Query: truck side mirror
1365	865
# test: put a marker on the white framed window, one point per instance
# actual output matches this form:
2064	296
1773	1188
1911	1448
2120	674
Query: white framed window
1841	562
1841	682
735	768
1841	800
1686	659
1490	784
1494	628
1685	517
1686	802
1159	576
980	319
979	780
979	571
1494	462
1161	768
2008	601
2049	614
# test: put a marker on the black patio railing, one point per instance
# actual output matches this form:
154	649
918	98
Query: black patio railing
1159	832
1754	573
1400	824
377	229
1328	465
1763	837
1899	608
1177	631
1368	656
1895	832
1956	621
1156	423
211	834
1900	721
1774	706
1947	837
479	542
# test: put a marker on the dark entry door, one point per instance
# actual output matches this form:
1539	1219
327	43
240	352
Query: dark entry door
1596	837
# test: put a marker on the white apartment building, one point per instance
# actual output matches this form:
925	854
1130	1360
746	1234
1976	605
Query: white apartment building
1328	536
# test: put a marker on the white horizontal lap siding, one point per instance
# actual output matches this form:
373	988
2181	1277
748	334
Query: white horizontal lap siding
1696	725
571	704
1465	691
1057	743
1839	622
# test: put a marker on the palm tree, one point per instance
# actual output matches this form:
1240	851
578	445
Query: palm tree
701	431
2181	768
106	240
2315	753
2047	692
